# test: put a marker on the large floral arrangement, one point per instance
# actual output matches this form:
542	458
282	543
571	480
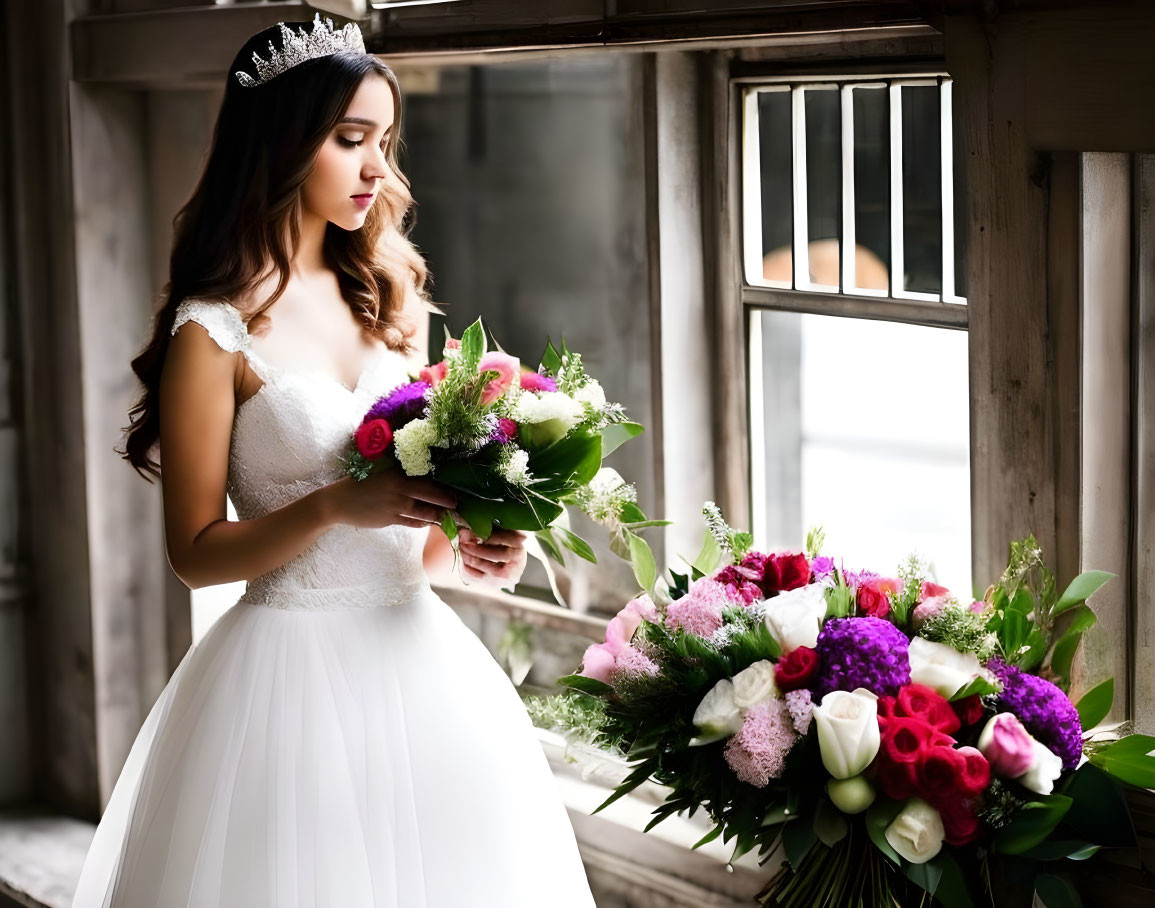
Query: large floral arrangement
516	446
891	739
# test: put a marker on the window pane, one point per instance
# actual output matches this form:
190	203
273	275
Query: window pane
871	189
824	184
863	427
922	188
774	150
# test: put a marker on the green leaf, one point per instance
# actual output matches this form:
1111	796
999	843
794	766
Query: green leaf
550	359
1064	653
1036	649
586	685
643	563
617	434
1081	589
473	345
709	557
1099	812
951	888
1056	892
549	545
880	815
1032	825
975	686
798	837
573	459
1129	760
631	513
926	875
829	824
709	836
477	513
1061	848
1094	705
448	526
577	545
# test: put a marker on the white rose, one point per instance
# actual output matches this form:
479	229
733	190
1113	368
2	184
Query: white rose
942	667
847	731
755	684
718	714
795	617
916	832
1044	770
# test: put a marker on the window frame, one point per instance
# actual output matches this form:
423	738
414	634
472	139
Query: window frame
737	300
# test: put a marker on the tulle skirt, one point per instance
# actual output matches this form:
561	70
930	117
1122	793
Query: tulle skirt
350	757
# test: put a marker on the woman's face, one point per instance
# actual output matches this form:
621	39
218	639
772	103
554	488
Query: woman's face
350	166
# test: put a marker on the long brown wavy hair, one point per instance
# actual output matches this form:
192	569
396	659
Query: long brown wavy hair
242	221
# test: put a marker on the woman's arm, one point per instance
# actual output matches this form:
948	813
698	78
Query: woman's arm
197	404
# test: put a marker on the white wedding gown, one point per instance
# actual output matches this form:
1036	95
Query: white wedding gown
339	737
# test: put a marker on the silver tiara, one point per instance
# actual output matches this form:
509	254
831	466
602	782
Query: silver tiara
324	41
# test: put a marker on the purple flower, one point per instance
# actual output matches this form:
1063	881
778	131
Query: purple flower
504	432
401	405
1045	711
822	568
862	652
857	578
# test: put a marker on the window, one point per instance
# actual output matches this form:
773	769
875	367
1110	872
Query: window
858	375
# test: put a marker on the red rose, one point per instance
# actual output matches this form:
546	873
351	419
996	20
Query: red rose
959	821
873	600
921	702
939	773
796	668
886	707
906	740
968	709
373	437
785	572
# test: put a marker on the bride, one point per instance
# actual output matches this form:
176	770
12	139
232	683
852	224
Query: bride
338	737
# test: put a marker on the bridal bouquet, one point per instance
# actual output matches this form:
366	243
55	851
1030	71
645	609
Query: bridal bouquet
893	740
515	446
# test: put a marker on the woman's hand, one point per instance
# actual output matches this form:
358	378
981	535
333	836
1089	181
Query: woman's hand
500	560
388	498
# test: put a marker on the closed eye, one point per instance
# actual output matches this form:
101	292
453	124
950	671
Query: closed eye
350	143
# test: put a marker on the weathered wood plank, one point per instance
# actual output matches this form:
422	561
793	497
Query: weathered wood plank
1012	420
44	280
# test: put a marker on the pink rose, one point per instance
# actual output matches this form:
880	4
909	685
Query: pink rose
622	626
928	609
598	663
1007	745
932	591
453	344
505	366
434	374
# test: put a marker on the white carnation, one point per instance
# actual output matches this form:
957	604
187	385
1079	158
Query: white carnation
411	443
513	465
535	408
591	393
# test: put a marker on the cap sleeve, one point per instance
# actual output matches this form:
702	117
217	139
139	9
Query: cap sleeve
219	319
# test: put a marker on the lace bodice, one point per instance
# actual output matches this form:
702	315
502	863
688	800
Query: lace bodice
288	440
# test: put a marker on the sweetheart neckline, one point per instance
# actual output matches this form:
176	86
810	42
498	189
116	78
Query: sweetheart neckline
276	372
